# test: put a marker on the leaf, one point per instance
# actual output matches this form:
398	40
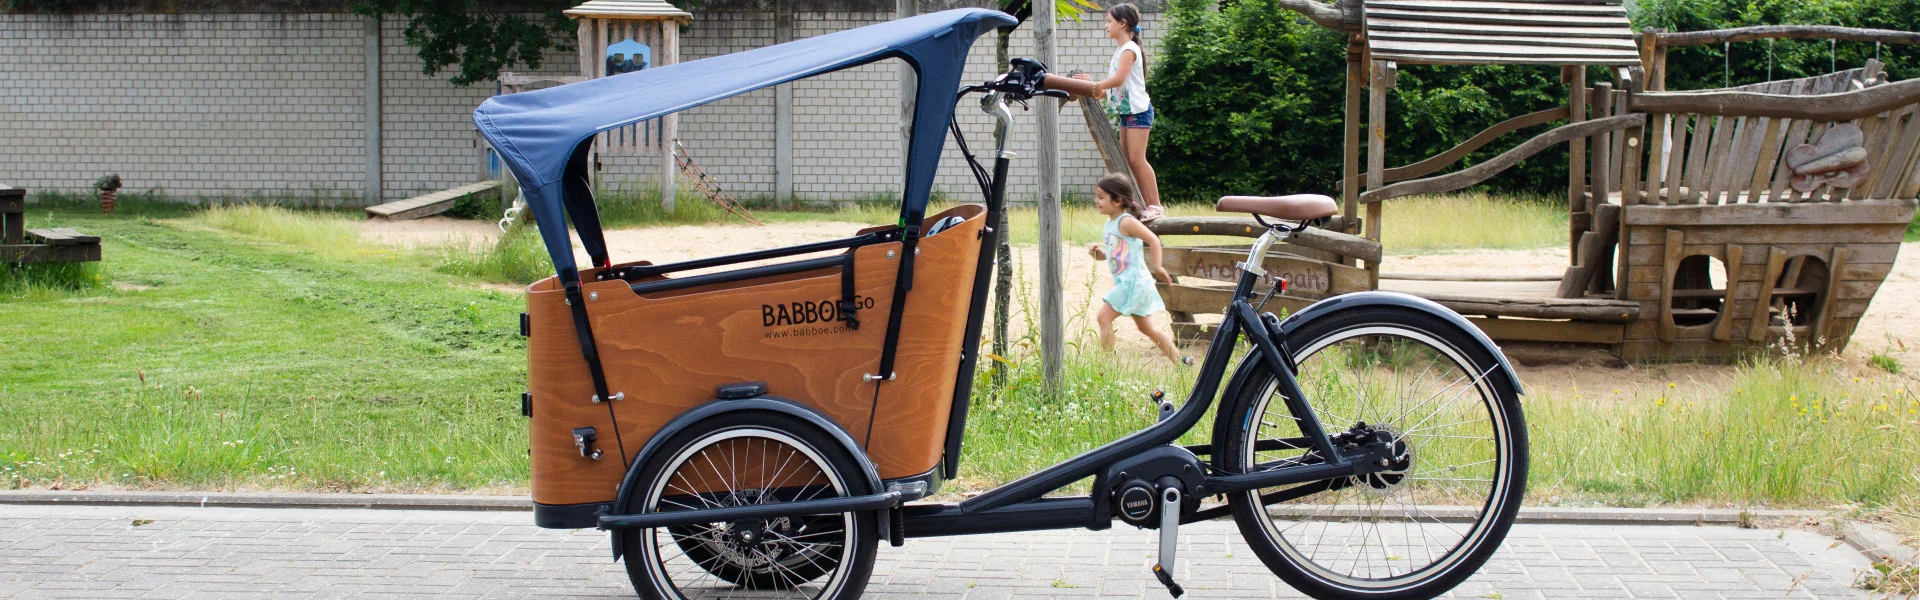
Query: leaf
997	358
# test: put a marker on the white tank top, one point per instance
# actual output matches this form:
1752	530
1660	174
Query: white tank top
1131	97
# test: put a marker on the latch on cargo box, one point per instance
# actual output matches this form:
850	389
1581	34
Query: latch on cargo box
583	438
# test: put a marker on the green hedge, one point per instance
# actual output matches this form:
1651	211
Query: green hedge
1249	97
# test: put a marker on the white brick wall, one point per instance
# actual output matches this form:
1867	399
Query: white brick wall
243	104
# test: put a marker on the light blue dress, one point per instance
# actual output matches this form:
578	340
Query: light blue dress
1133	293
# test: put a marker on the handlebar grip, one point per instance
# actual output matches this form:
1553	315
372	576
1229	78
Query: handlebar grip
1056	94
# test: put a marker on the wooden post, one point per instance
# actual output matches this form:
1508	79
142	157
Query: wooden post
1576	79
376	170
1047	116
1350	152
1723	325
1763	304
668	53
1380	84
1669	268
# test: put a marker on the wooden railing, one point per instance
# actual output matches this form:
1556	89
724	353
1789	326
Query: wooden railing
1481	172
1442	160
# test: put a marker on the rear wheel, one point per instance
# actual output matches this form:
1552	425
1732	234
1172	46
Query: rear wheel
1424	525
751	458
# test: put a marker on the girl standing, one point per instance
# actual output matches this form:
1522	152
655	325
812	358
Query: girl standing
1132	252
1125	89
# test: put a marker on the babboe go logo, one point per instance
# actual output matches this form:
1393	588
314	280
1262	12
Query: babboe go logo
802	313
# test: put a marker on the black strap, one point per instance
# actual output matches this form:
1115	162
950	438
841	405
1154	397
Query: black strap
909	242
578	199
584	329
849	308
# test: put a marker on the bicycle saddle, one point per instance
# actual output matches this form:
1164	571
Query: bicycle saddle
1297	207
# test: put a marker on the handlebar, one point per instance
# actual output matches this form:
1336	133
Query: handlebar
1025	79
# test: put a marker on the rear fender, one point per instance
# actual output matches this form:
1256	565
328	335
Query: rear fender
713	408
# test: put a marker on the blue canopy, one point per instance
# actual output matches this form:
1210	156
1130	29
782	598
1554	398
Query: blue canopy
543	135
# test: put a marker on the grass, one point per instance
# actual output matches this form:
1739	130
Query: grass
235	351
1789	434
1471	221
235	361
518	257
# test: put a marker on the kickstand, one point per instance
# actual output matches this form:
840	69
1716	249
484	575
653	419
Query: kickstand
1169	540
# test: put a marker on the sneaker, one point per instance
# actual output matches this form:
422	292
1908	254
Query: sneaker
1151	212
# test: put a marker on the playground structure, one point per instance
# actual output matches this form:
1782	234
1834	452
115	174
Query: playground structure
1704	223
19	245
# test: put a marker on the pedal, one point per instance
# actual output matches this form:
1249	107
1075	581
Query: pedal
1169	540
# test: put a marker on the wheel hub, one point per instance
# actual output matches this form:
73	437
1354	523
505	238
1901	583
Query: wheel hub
1388	480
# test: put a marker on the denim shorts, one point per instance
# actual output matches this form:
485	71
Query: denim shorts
1139	120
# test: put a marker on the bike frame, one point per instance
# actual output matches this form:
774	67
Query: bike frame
1021	505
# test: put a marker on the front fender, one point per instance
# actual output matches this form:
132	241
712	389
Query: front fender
714	408
1408	301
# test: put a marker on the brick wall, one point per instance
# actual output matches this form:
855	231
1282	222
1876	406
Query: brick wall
244	104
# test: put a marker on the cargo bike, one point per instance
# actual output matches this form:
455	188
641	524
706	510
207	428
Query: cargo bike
752	425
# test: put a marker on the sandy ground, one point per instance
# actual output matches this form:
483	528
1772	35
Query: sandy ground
1891	321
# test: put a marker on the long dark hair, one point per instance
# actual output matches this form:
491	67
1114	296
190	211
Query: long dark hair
1119	187
1128	14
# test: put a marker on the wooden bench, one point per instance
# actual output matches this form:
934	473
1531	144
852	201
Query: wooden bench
21	245
426	205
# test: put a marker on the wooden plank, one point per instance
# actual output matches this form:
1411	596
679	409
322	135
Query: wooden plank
1796	134
1617	141
1657	159
1453	155
1450	277
1380	84
13	203
1856	253
1311	237
1478	36
1883	155
1483	171
1900	161
62	236
1214	299
1406	47
1694	177
1829	107
1783	234
1599	148
1675	244
1305	278
37	253
1574	283
1865	212
1521	8
1609	311
1576	80
1631	154
1743	151
1350	148
1719	157
1565	332
1764	158
1832	300
1377	24
1569	22
428	204
1676	157
1548	60
1723	325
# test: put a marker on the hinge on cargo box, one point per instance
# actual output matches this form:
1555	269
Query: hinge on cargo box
526	325
526	404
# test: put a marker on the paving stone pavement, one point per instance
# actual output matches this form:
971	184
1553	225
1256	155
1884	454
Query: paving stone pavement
115	552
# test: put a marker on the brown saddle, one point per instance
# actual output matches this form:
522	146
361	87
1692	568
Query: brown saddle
1297	207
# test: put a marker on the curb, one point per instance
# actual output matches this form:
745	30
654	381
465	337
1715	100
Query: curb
1879	545
1528	515
272	500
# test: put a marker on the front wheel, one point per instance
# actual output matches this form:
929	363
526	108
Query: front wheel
1424	525
747	458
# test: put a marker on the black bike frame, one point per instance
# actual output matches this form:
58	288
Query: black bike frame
1021	505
